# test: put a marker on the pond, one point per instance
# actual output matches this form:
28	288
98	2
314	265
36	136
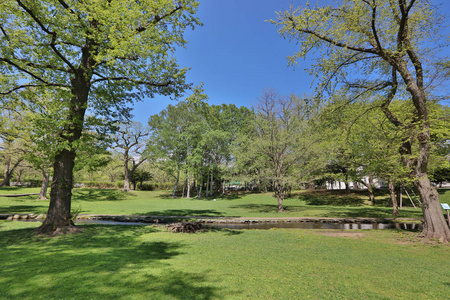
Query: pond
292	225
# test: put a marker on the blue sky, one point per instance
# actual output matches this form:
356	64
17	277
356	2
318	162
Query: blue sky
237	54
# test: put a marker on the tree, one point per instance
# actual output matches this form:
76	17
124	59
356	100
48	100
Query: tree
140	176
12	148
130	138
175	132
282	140
383	41
113	53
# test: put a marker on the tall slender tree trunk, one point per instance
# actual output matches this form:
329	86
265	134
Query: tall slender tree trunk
44	186
200	185
207	185
400	195
176	183
212	183
395	211
370	189
188	192
126	171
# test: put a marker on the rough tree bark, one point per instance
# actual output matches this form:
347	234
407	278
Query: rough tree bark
395	210
44	186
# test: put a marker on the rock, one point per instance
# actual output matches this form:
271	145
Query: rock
40	217
16	217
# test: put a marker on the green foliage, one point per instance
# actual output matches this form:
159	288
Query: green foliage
195	137
280	142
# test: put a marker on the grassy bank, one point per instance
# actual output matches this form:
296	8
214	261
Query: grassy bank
144	262
302	204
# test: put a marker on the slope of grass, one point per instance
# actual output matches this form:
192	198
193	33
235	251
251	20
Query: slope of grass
144	262
302	204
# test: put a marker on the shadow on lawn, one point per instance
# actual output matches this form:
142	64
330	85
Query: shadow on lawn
334	198
184	212
101	262
266	208
99	195
13	209
227	196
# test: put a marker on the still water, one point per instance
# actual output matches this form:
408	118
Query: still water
295	225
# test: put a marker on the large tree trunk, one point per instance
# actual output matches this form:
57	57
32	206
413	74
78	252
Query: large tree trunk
395	211
59	219
435	226
44	186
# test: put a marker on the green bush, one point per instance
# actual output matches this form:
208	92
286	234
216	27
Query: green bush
98	184
146	187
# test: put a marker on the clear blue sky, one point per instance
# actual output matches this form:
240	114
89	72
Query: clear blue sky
237	54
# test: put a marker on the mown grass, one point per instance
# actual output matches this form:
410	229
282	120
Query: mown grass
144	262
300	204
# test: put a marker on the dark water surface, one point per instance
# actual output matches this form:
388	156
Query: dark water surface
295	225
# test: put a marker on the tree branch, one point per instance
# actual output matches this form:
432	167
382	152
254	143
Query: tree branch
157	19
130	79
49	32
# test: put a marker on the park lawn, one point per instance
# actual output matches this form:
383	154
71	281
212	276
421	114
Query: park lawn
146	262
301	204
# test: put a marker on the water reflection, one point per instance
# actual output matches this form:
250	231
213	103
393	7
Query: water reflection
270	225
317	225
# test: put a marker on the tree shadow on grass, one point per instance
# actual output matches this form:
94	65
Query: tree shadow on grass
266	208
226	231
334	198
184	212
99	195
101	262
13	209
227	196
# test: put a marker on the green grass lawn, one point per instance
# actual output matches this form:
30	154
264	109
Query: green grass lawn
145	262
301	204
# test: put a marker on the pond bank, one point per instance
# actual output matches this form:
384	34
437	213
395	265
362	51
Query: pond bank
222	220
